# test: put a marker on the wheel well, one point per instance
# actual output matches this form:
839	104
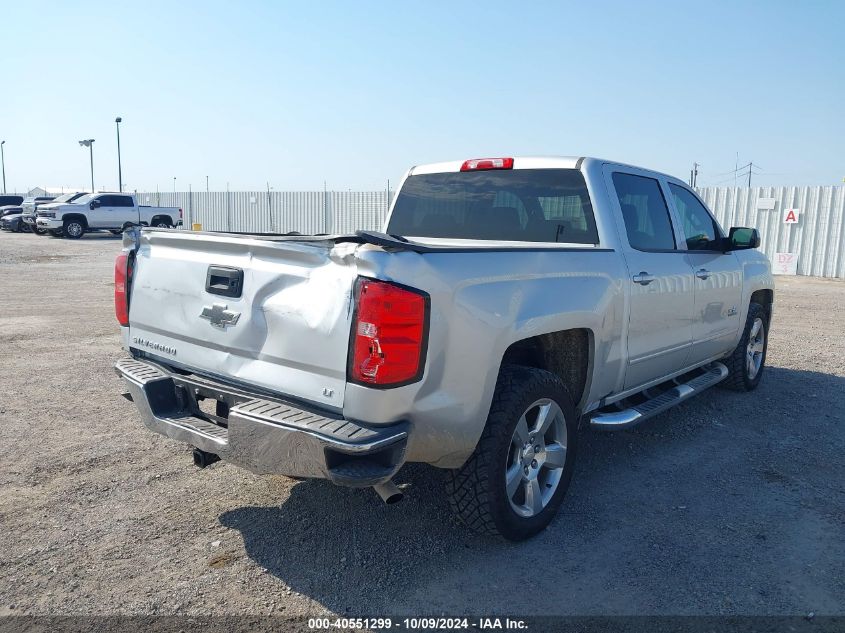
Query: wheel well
81	218
765	298
565	353
167	218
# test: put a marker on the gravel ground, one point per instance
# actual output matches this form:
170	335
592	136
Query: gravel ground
729	504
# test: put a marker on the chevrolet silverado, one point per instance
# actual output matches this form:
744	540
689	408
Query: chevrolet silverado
507	302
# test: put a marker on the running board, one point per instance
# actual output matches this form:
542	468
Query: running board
626	418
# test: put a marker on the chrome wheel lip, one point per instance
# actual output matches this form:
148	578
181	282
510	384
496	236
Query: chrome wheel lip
536	457
755	348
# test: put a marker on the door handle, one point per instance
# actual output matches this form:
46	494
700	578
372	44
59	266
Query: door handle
643	278
702	273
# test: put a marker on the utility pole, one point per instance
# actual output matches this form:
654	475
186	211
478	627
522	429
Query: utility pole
736	168
3	162
89	143
695	167
119	170
206	184
270	206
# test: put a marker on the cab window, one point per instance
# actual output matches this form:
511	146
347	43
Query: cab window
700	229
644	210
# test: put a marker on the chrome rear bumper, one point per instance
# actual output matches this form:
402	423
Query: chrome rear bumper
263	435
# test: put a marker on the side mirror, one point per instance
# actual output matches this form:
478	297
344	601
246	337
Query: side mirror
94	204
742	238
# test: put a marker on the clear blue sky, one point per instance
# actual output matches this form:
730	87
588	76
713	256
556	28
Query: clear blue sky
354	93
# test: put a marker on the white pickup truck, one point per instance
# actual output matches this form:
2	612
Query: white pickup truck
103	211
507	302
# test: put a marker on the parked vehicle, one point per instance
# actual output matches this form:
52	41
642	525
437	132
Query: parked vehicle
104	211
10	219
508	302
30	204
10	200
29	216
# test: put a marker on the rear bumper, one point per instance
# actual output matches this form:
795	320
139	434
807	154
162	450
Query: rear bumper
263	435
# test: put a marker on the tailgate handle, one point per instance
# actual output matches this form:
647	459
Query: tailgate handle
224	281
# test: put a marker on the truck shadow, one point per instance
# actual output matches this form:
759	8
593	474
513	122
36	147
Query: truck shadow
724	493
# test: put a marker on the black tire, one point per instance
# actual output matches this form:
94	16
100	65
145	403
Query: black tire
162	223
477	490
739	378
55	232
73	229
38	231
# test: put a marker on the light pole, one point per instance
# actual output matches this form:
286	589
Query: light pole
119	171
89	143
174	184
3	162
206	183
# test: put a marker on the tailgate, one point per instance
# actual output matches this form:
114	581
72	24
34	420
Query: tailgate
287	331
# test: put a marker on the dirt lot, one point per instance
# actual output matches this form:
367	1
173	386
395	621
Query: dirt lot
729	504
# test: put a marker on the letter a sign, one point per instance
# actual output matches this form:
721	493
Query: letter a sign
790	216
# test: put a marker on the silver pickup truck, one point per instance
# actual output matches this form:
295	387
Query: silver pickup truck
508	302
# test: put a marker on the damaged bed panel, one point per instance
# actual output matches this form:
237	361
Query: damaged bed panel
286	331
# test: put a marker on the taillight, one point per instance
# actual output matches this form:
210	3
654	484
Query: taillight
122	280
180	214
482	164
389	334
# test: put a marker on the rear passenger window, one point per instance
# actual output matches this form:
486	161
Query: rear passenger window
122	201
645	212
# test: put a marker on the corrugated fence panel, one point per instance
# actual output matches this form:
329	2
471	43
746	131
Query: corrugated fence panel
818	238
306	212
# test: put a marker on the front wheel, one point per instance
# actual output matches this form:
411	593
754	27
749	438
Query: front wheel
745	364
73	229
515	480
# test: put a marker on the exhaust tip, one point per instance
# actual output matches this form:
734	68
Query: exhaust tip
203	458
389	493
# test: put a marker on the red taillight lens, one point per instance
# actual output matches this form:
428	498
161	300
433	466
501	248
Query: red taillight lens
122	279
482	164
388	339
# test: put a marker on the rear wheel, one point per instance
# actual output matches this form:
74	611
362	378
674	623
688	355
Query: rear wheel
73	229
55	232
36	230
746	363
515	480
162	223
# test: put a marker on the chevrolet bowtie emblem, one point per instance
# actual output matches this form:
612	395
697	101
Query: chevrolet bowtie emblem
220	316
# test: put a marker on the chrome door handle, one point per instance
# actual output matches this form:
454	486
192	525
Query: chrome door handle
643	278
702	273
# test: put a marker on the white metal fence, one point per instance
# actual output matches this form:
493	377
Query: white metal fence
818	238
278	211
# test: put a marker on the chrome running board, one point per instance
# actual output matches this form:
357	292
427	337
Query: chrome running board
626	418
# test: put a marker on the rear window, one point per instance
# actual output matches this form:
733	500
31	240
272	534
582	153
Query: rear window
525	205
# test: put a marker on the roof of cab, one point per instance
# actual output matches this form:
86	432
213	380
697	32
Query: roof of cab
532	162
519	162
